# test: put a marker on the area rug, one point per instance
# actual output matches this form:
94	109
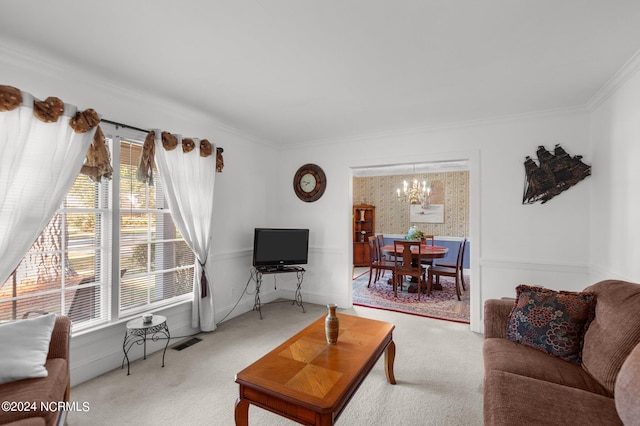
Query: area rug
441	304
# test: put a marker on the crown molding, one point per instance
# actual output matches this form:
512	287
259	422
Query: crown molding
489	121
628	70
63	70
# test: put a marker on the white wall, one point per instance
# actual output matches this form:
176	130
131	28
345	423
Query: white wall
511	243
615	203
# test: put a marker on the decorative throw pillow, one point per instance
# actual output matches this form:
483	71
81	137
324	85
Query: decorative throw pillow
551	321
25	345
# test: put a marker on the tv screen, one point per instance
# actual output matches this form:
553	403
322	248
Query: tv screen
280	247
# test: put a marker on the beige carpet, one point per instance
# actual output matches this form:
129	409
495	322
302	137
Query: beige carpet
438	369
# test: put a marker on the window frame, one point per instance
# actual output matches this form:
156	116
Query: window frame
114	135
107	246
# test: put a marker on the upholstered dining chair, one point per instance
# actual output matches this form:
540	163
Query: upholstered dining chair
377	265
446	271
455	265
408	265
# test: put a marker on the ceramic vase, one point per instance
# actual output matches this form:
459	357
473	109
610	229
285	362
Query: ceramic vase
332	325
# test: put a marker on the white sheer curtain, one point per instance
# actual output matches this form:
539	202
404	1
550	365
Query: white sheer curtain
38	164
188	181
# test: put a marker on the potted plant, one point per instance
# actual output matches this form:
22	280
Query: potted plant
414	234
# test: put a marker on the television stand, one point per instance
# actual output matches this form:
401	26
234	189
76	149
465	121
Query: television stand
262	270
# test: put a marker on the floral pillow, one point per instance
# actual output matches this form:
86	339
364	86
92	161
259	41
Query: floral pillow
551	321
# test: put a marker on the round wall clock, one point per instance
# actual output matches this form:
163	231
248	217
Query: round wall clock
309	182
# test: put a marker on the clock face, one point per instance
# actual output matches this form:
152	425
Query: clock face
309	183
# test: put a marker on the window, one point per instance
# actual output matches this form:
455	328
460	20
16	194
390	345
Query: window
155	261
70	268
65	269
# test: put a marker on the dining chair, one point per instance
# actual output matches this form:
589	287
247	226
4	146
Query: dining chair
446	271
454	265
408	264
383	255
376	264
379	244
383	259
426	240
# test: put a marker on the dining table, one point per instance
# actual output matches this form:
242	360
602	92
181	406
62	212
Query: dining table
427	252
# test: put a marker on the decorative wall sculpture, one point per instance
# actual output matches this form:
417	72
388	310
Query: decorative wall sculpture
555	173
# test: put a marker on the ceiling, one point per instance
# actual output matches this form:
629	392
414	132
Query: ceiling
303	71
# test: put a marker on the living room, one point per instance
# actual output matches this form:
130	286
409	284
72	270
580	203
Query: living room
584	235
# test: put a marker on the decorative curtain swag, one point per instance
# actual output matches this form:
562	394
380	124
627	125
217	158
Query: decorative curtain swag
10	98
219	159
98	161
145	165
169	143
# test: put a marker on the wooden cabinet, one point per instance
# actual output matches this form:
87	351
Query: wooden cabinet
364	226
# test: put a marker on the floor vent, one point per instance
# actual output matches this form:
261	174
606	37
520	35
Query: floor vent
186	344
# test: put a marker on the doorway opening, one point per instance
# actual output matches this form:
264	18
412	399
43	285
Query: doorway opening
444	213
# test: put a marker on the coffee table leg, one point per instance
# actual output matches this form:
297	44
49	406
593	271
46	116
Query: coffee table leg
242	412
389	358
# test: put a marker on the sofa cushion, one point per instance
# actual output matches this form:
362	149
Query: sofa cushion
551	321
614	331
25	344
505	355
510	399
46	389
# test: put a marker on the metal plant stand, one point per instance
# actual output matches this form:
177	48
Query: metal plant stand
138	332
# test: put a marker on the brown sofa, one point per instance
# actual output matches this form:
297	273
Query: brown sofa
53	388
526	386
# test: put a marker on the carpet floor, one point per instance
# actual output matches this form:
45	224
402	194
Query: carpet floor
438	368
441	304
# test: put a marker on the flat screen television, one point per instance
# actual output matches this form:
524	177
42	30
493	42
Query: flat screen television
280	247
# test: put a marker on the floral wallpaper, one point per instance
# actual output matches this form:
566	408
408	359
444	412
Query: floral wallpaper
392	215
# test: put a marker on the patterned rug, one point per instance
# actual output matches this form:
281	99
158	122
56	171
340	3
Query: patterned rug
442	304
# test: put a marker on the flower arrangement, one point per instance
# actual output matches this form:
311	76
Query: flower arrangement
414	234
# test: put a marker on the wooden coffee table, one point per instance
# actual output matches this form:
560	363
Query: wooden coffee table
309	381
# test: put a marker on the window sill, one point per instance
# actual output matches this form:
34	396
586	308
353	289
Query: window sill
107	324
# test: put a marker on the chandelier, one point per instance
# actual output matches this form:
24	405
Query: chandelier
416	193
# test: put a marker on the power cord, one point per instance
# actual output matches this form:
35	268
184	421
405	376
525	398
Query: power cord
251	278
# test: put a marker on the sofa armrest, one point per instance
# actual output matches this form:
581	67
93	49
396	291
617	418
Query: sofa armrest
59	345
496	316
627	388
